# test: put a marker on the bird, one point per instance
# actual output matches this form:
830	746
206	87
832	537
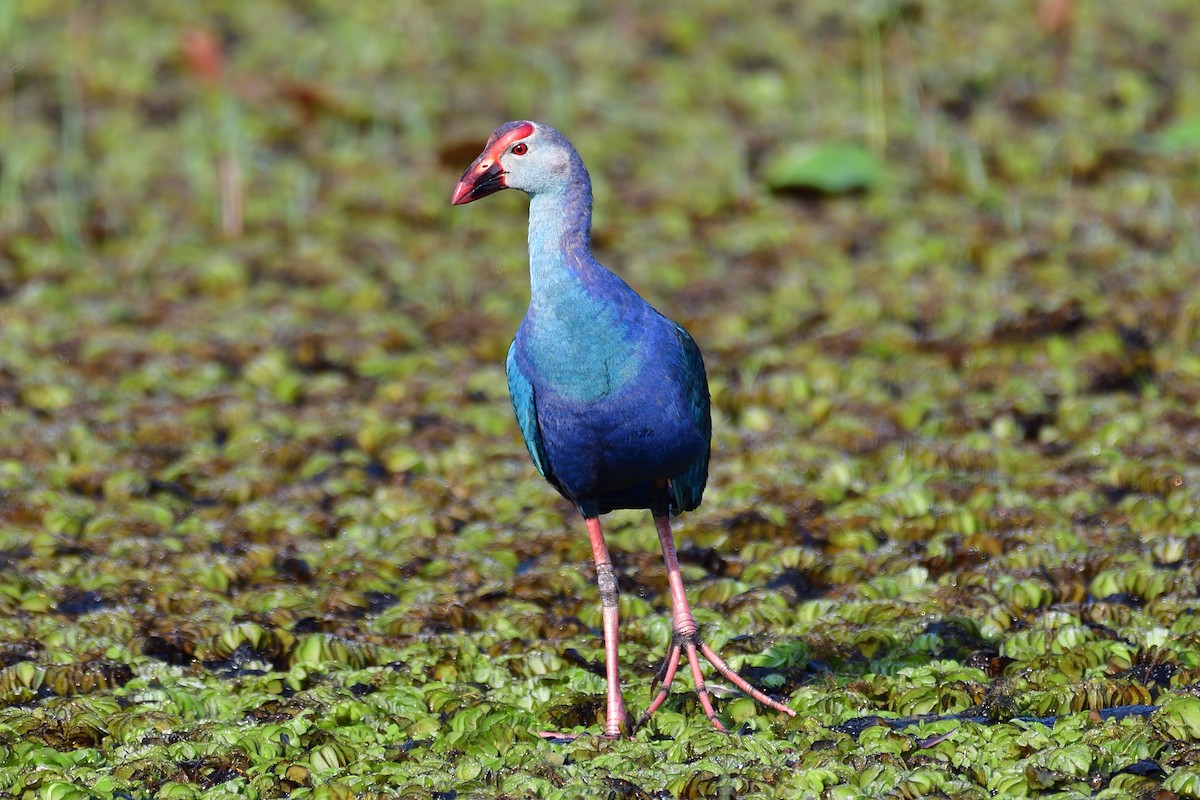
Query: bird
610	395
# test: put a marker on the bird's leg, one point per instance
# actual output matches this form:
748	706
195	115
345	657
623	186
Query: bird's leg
686	640
615	717
616	722
685	636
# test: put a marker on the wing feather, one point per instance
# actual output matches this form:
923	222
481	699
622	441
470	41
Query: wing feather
688	487
524	403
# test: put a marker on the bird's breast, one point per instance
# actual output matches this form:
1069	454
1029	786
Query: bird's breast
609	388
584	353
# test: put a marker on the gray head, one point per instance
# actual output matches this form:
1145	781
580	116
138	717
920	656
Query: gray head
529	156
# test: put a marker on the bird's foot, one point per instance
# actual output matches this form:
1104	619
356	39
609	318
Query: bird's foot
691	644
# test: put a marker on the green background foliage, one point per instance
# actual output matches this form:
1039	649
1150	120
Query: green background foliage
266	525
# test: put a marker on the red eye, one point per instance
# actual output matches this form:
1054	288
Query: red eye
520	149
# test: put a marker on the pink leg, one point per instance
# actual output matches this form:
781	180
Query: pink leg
615	718
687	640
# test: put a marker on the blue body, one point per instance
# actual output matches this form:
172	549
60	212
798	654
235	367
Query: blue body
610	395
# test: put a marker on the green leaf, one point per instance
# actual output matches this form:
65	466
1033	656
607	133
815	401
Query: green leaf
829	167
1182	135
62	790
1179	717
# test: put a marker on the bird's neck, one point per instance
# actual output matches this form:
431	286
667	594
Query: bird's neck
580	331
560	253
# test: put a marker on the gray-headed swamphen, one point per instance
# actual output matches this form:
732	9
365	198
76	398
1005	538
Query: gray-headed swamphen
610	395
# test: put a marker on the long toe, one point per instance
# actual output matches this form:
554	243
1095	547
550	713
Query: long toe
737	680
694	647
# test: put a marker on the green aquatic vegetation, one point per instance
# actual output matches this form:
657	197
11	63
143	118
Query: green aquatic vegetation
267	528
831	167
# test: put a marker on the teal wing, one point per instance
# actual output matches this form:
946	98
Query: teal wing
524	406
688	487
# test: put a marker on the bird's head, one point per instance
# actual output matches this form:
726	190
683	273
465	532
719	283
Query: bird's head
519	155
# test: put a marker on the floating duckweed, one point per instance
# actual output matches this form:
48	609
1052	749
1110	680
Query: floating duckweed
854	540
256	642
282	603
872	643
1006	784
1113	614
63	790
1074	760
1130	784
1067	586
443	699
85	678
1183	782
175	790
1108	583
1141	581
815	781
340	791
924	700
133	726
1023	594
1169	550
1087	696
447	617
813	610
535	664
345	603
921	782
846	568
20	682
1069	638
1146	477
1179	717
322	648
1186	624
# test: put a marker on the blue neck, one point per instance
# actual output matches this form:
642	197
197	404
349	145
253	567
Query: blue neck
581	330
560	255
